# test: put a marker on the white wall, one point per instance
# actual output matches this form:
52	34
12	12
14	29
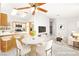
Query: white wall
69	25
41	19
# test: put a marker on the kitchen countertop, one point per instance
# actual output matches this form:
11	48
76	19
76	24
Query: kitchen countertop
10	33
6	34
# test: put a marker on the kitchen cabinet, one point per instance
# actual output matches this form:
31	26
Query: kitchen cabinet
7	43
0	43
3	19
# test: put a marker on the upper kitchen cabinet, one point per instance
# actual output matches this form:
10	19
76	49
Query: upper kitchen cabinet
3	19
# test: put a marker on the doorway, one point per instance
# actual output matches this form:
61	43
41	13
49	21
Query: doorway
51	27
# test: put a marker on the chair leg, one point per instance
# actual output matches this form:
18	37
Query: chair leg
51	51
16	52
46	52
19	52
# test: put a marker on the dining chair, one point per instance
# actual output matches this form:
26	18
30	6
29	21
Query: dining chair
21	50
47	44
45	48
48	47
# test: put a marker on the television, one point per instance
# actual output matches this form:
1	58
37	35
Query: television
41	29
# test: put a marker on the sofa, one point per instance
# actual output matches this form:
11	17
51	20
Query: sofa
73	37
70	40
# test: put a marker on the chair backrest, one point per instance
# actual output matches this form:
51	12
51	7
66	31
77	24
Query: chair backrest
49	44
18	44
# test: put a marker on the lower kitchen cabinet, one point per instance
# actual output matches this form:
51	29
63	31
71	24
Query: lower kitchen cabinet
7	45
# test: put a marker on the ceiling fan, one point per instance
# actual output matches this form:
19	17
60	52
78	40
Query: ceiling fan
35	6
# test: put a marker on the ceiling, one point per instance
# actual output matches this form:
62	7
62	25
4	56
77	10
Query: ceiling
67	10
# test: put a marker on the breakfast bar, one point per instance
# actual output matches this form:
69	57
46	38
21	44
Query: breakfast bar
7	42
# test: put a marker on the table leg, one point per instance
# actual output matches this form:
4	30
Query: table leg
33	50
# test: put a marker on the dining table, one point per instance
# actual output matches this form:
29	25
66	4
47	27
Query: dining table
33	42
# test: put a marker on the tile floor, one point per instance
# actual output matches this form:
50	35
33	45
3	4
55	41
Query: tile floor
59	49
62	49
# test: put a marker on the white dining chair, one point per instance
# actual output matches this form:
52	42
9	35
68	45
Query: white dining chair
48	47
47	44
45	48
21	50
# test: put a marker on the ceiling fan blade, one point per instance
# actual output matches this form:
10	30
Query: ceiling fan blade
39	4
41	9
22	8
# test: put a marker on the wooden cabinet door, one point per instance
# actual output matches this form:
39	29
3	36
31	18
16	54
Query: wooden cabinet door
3	19
8	45
0	19
3	46
0	43
13	42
